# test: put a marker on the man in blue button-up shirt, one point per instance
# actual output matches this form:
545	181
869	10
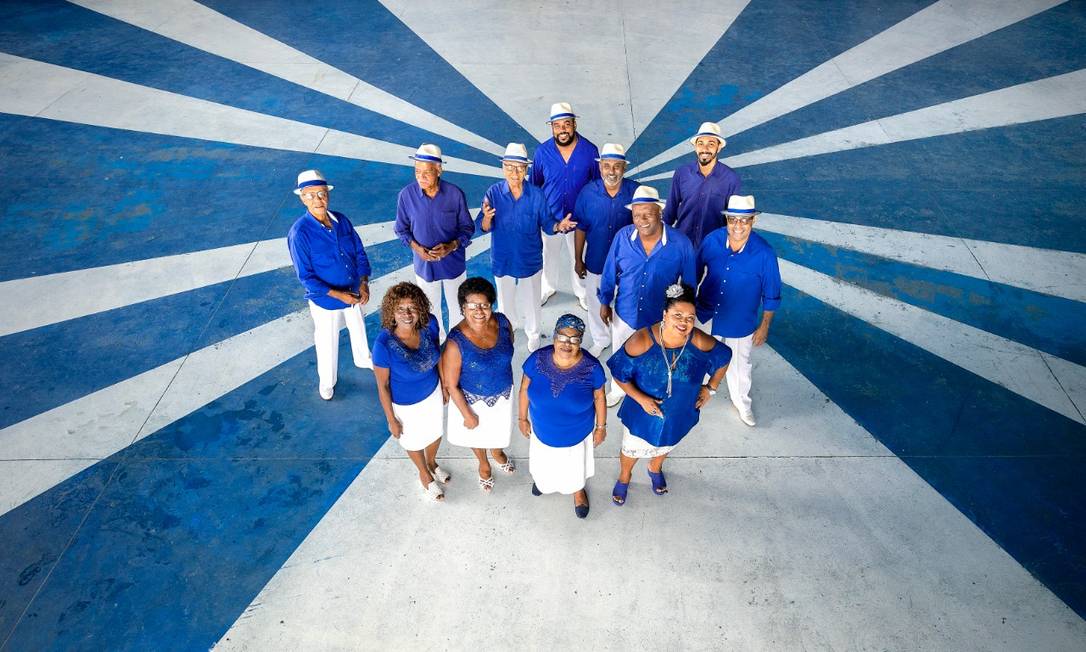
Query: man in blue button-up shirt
700	190
645	258
600	212
432	219
741	275
561	167
332	265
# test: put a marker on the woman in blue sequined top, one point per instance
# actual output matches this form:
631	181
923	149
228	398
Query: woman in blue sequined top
661	368
477	369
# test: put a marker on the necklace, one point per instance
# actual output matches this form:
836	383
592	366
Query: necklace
674	359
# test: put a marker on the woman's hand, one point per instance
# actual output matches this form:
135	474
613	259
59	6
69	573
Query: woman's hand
651	406
471	420
598	435
703	397
396	428
525	427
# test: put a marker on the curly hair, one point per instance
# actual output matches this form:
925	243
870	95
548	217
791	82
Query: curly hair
476	285
398	293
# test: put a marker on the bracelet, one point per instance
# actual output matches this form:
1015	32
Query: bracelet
521	419
601	426
712	391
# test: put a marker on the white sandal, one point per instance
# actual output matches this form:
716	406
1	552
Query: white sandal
434	492
441	475
510	467
486	484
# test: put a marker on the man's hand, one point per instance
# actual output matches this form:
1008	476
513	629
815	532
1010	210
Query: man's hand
424	253
566	225
488	215
605	314
444	249
761	335
363	293
345	297
580	269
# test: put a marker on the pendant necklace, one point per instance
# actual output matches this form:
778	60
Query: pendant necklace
674	360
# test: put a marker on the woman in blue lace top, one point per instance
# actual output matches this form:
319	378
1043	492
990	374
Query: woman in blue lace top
661	368
477	369
405	362
563	413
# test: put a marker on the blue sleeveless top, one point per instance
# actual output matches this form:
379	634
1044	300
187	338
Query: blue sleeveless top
648	372
486	374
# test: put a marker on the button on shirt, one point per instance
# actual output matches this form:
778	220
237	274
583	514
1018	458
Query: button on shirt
561	181
431	221
696	202
600	216
736	283
516	246
327	259
641	279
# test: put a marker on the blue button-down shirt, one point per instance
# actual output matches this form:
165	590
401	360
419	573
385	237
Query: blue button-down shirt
430	222
516	246
641	279
736	283
696	202
327	259
562	181
600	216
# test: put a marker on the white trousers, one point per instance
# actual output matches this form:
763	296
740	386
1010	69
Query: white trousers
553	261
518	299
326	327
739	370
601	336
433	289
620	332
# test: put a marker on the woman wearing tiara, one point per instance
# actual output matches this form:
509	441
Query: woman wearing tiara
661	368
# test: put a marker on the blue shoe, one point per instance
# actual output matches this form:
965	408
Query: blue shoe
536	491
618	494
659	484
581	510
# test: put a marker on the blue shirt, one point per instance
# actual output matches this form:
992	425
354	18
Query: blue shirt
516	247
736	283
648	372
486	374
696	203
430	222
560	401
561	181
642	279
412	372
327	259
600	216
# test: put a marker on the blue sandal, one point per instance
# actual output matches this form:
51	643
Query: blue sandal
618	494
659	484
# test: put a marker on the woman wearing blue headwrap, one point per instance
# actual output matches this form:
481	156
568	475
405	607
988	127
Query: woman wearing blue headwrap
563	413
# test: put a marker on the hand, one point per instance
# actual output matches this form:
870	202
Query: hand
605	314
580	269
345	297
471	420
525	427
703	397
761	335
396	428
566	225
424	253
651	406
598	435
363	293
488	210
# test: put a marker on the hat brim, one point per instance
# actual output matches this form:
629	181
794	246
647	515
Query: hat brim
630	206
298	191
564	117
613	158
750	214
694	140
514	160
440	161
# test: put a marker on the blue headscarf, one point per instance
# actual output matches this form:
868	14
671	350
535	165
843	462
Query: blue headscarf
569	321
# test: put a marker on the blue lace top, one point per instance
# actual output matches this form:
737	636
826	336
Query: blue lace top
412	372
486	374
560	400
648	372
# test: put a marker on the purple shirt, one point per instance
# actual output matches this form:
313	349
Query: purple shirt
600	216
430	222
696	203
562	181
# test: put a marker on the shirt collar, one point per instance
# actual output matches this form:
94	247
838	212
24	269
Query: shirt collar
728	245
330	214
663	236
420	193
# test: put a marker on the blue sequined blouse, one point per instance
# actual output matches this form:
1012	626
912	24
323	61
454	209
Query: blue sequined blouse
412	372
486	374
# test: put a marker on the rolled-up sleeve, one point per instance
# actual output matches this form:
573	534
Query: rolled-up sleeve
609	278
771	282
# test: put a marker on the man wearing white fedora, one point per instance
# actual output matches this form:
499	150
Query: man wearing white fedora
700	190
645	258
741	275
600	212
562	166
332	265
432	220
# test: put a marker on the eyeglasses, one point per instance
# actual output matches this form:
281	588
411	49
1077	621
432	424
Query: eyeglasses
567	339
310	196
477	306
515	167
406	310
741	221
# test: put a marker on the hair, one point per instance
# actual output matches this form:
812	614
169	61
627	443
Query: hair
398	293
476	285
679	293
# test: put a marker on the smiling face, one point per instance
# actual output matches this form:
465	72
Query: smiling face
739	229
564	131
477	309
646	218
406	314
428	175
514	173
562	344
706	148
680	318
611	171
315	199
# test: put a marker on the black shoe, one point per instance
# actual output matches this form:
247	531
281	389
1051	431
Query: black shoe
536	491
581	510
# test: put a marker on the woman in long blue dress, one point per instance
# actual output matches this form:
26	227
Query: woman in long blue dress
661	368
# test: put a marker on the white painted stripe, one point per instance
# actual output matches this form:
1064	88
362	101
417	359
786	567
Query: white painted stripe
100	424
1017	367
203	28
1059	273
43	90
934	29
87	291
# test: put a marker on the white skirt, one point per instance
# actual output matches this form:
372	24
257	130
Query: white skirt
634	446
422	422
561	470
493	431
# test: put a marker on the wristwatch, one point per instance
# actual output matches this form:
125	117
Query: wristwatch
712	392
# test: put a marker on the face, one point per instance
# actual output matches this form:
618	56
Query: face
514	172
611	171
680	317
406	313
646	218
428	175
706	148
739	229
567	348
315	199
477	308
564	131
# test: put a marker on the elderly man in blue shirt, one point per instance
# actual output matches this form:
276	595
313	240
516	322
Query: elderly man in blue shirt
645	258
432	219
332	265
700	190
516	215
600	212
561	167
741	276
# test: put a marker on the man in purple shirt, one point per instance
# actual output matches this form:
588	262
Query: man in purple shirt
432	219
332	265
700	190
561	167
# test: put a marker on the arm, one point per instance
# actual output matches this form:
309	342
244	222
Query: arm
450	377
486	214
403	231
384	393
578	248
599	402
771	297
303	267
713	384
465	227
522	408
637	345
689	267
609	279
362	263
674	199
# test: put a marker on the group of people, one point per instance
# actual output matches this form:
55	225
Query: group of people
681	291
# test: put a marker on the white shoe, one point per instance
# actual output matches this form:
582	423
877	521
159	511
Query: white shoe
597	349
614	398
326	394
547	294
746	417
533	344
584	304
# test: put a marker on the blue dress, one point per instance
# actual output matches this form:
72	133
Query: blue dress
486	374
648	372
560	400
412	372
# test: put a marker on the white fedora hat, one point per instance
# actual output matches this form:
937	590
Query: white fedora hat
645	195
517	153
310	178
709	129
613	152
561	111
741	206
428	153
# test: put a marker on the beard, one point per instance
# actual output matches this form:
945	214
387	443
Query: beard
705	159
564	139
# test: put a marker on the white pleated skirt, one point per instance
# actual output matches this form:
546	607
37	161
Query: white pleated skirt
561	470
634	446
422	422
493	431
